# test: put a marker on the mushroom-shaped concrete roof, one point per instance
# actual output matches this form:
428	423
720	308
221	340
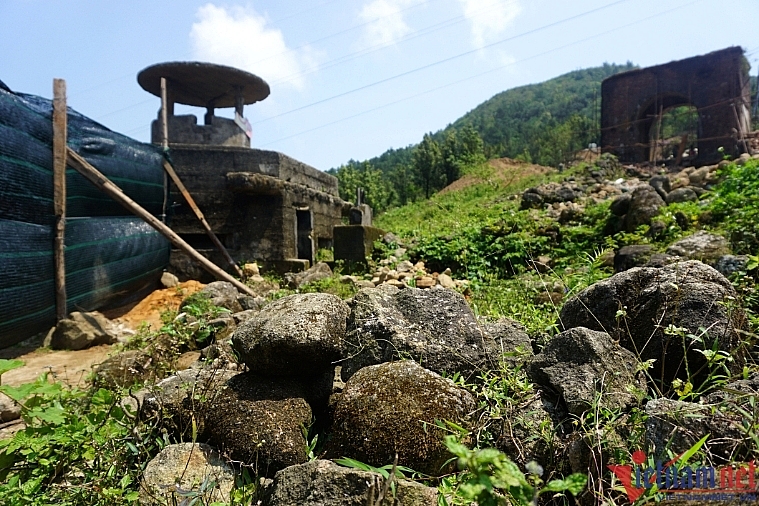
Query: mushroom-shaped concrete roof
203	84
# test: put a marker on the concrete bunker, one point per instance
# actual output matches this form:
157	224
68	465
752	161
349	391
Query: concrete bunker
713	89
262	205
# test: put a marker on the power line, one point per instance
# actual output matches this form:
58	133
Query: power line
439	62
357	54
482	73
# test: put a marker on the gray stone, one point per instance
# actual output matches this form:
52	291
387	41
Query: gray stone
435	327
124	369
511	338
550	193
636	306
259	422
393	407
405	266
322	482
584	366
621	204
661	184
296	335
82	330
180	400
729	264
181	469
686	194
248	302
219	293
644	205
700	246
9	409
299	279
635	255
678	425
168	280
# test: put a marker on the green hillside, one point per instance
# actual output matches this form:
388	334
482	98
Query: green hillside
544	123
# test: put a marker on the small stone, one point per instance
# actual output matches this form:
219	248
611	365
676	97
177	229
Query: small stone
169	280
425	282
250	269
419	266
446	281
405	266
256	278
186	467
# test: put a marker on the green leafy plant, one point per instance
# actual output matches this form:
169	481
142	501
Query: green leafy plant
490	478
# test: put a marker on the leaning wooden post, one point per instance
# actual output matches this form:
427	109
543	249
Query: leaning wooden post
59	195
198	214
164	141
113	191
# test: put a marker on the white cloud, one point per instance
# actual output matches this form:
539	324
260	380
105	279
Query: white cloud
488	19
240	37
386	24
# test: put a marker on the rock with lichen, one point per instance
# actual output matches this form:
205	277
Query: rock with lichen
393	408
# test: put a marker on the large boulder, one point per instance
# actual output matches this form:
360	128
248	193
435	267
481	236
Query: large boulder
319	271
260	421
638	306
184	471
219	293
585	367
678	195
701	246
322	482
298	335
179	401
661	184
645	203
434	327
392	408
82	330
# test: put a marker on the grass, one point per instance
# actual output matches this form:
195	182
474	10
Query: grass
83	447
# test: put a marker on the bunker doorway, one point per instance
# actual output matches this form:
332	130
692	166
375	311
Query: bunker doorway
304	227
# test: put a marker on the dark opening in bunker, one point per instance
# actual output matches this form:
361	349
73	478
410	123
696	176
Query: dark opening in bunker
304	227
674	134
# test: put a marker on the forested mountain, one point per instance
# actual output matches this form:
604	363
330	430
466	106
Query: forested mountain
543	123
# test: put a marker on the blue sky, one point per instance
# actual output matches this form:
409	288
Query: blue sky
349	78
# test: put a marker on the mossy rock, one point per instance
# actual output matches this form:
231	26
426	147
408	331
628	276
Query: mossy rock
392	408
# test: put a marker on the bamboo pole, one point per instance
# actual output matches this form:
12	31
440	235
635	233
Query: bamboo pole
59	195
186	194
113	191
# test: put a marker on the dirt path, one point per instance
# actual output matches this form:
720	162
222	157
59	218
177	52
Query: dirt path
73	367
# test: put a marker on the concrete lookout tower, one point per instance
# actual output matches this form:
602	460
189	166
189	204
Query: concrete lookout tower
204	85
263	205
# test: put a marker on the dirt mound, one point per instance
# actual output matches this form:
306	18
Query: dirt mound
505	170
149	309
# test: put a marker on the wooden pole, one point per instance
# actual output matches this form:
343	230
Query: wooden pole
164	142
186	194
740	130
59	195
113	191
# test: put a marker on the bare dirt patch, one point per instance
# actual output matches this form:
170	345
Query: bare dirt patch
149	309
73	367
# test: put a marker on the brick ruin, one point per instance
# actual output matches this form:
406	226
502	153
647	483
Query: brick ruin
716	84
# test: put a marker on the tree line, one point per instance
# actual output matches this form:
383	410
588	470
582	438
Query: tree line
432	165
